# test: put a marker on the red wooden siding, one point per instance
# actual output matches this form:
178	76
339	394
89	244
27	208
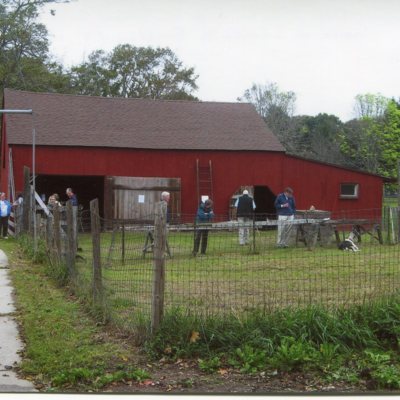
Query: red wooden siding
314	183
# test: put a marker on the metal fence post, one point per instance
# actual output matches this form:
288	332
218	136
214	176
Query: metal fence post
95	228
26	204
254	233
160	240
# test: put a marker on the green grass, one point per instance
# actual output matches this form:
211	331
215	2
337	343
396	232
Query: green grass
233	279
65	348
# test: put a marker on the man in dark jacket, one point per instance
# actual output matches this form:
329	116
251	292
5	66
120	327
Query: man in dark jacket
245	207
205	214
285	206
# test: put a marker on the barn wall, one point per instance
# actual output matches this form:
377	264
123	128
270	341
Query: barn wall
319	185
314	183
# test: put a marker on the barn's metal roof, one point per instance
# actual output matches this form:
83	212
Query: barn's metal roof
70	120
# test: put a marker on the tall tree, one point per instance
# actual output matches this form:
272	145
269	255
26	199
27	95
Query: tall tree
276	107
24	57
361	144
319	138
267	98
390	132
129	71
370	105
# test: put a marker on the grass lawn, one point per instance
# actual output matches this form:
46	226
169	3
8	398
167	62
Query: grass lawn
64	347
236	279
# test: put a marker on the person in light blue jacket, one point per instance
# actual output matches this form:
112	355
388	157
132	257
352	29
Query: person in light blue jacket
5	211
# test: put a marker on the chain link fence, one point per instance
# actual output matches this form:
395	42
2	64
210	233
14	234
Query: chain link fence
130	271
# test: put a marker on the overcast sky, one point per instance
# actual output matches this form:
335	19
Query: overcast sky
326	51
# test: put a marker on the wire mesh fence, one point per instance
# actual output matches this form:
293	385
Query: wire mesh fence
208	271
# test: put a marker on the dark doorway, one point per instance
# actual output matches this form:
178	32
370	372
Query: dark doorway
86	188
264	199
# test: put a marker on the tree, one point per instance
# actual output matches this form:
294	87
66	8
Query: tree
319	138
361	144
370	105
24	58
275	107
129	71
390	134
267	98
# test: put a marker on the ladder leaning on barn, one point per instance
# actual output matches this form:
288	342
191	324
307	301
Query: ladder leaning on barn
204	180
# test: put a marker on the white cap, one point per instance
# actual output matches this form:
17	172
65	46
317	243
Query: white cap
245	191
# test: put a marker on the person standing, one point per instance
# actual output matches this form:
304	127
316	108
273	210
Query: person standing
285	206
165	197
72	196
245	207
205	214
5	211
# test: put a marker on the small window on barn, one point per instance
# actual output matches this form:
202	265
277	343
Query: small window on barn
349	190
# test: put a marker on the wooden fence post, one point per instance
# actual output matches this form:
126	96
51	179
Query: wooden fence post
123	242
57	232
160	240
71	249
97	275
49	231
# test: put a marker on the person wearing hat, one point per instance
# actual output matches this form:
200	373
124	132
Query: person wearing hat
245	207
285	206
205	214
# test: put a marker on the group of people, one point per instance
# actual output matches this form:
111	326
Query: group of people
6	207
285	206
54	199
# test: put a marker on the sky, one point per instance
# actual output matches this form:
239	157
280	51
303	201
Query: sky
326	51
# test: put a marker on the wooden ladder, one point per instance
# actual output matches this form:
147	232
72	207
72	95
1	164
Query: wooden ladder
204	180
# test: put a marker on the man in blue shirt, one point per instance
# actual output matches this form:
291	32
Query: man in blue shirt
72	196
285	206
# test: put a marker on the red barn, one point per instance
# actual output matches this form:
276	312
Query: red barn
126	151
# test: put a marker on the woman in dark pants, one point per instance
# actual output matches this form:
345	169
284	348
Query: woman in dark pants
204	214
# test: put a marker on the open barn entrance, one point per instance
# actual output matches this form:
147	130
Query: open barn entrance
86	188
264	199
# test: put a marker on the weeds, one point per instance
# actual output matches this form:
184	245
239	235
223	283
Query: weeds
342	344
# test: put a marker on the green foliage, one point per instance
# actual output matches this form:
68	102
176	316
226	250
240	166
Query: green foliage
24	59
26	244
210	365
249	360
387	376
390	133
370	105
96	378
139	72
341	343
292	353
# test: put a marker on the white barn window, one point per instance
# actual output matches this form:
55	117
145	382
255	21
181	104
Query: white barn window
349	190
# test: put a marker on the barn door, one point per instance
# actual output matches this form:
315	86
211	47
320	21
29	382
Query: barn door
134	198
